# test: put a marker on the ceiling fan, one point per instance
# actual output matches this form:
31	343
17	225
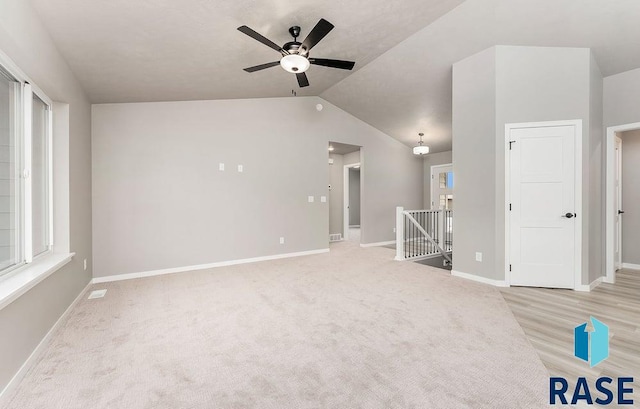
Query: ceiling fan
295	55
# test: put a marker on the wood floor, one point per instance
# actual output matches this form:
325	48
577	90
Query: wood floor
548	317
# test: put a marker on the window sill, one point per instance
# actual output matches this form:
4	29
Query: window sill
26	277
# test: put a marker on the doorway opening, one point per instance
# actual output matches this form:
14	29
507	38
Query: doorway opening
351	204
442	187
623	151
345	187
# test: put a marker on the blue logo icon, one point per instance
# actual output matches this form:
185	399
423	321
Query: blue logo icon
593	346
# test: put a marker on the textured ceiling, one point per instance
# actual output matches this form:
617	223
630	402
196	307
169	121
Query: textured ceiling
158	50
408	89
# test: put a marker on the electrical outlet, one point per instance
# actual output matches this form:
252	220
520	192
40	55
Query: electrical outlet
240	168
323	199
311	199
221	166
281	240
478	256
394	229
85	263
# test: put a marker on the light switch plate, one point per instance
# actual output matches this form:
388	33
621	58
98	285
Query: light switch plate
240	168
281	240
323	199
221	166
478	256
311	199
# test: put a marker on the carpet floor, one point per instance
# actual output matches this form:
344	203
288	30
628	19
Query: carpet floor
347	329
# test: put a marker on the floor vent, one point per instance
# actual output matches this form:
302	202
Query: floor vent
335	237
97	294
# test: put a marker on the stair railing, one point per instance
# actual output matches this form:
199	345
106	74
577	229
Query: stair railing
419	234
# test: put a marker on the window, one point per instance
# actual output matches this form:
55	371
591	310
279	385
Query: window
25	172
40	175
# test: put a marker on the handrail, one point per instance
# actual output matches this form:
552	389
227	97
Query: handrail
427	236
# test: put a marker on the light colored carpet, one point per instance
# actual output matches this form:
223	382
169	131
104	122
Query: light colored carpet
354	235
349	329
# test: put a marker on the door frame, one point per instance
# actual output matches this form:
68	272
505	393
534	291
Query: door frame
577	124
617	262
434	167
610	220
345	199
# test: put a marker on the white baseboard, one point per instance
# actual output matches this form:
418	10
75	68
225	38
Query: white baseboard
631	266
589	287
378	244
5	395
490	281
130	276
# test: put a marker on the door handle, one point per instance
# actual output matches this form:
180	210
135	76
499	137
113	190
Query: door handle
570	215
620	211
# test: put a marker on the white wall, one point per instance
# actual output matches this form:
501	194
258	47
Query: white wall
160	201
594	180
474	163
354	190
622	98
336	194
621	102
524	84
630	196
432	159
354	197
25	322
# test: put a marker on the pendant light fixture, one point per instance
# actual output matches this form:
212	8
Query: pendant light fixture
420	149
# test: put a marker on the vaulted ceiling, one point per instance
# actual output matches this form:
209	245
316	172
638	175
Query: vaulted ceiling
160	50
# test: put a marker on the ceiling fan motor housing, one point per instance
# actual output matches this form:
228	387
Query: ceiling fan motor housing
294	47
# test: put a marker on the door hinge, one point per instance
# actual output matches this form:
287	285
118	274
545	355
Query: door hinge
509	206
509	267
510	144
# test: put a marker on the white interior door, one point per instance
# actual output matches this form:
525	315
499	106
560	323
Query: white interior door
617	248
442	187
542	219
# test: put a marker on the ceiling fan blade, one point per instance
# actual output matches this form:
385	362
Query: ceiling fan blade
318	33
262	66
303	81
257	36
344	65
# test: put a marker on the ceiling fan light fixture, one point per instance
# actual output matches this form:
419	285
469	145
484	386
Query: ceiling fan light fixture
420	149
294	63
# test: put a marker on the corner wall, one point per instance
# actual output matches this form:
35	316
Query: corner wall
474	164
507	84
27	320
